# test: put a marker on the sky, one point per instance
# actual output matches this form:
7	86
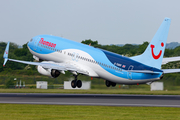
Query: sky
107	21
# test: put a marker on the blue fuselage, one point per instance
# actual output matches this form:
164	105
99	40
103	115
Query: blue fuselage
105	64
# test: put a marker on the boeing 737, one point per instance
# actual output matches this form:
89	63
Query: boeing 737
57	55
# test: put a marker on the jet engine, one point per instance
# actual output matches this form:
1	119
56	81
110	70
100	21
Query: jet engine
48	72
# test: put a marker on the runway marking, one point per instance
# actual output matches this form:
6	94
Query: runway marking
96	104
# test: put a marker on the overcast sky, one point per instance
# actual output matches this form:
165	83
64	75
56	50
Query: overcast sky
108	21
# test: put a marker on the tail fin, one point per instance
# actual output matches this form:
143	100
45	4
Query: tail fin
154	53
5	56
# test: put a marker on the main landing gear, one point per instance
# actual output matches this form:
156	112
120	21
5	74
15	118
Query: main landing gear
109	83
76	83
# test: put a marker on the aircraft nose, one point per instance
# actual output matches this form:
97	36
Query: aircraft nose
30	43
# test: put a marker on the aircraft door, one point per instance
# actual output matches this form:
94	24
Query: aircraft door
36	42
129	74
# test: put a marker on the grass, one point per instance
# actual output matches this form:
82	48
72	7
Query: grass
92	91
97	89
56	112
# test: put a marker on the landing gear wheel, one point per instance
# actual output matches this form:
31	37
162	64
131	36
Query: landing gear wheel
108	83
76	83
113	84
73	84
79	83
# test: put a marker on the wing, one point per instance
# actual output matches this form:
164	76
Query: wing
170	59
48	65
57	66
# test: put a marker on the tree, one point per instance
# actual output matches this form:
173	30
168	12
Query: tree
90	42
20	52
9	84
168	52
142	48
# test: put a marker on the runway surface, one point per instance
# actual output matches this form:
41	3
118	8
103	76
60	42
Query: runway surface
91	99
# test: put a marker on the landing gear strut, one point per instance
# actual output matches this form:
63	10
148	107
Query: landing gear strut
109	83
76	83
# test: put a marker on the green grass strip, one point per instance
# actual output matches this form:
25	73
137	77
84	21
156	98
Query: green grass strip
63	112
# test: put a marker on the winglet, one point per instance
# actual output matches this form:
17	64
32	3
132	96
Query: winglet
5	56
5	60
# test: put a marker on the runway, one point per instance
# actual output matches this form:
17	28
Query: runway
91	99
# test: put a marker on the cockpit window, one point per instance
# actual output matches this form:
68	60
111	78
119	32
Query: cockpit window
31	40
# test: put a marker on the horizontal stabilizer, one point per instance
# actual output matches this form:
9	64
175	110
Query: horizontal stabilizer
170	59
170	70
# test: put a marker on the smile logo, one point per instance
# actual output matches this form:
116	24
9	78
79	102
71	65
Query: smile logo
156	56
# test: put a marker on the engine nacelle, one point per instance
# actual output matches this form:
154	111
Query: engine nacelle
49	72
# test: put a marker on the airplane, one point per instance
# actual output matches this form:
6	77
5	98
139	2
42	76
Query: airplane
57	55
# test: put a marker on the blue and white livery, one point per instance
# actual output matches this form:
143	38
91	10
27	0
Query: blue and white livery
59	55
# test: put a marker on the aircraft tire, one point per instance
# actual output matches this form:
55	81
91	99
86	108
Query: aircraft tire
113	84
79	84
108	83
73	84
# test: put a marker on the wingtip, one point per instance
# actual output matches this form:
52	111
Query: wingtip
167	19
5	60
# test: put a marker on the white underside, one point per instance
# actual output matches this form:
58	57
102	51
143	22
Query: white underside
93	69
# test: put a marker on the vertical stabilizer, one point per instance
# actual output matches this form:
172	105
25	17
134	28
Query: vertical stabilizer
154	53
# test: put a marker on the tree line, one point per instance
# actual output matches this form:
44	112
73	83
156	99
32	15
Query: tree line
127	50
131	50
